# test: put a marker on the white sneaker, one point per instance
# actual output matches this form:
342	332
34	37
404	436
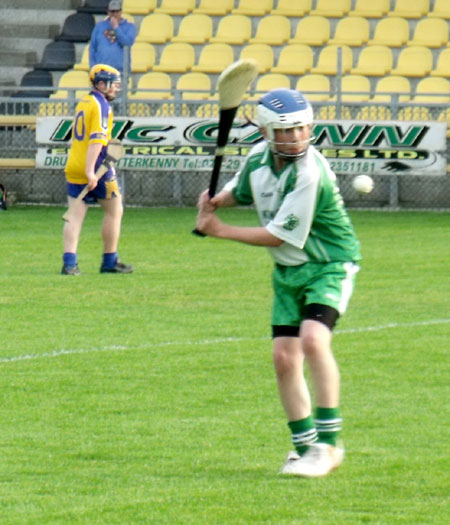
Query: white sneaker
319	460
291	460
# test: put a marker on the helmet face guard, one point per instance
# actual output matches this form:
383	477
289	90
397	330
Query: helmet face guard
284	109
104	73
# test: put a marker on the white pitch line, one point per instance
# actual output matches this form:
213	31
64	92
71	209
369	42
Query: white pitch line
118	348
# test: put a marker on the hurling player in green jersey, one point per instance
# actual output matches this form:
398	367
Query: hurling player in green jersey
309	235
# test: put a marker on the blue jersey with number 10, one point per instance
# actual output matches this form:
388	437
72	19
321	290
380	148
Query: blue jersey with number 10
92	124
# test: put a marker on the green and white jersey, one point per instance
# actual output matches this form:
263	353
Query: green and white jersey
300	205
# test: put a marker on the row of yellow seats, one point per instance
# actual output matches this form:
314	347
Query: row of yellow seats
158	28
293	59
330	8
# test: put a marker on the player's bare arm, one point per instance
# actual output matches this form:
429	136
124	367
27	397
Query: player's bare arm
91	158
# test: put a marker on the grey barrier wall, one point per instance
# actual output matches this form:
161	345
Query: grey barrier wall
395	190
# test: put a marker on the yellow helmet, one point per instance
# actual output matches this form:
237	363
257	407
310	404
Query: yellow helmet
105	73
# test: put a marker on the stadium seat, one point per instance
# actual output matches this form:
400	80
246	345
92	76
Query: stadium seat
139	7
414	61
430	32
414	113
159	83
312	30
253	7
194	86
143	57
233	29
77	27
374	61
194	29
36	78
294	59
441	9
316	87
410	8
156	28
267	82
392	85
72	80
214	58
215	8
83	65
262	53
371	8
273	29
351	31
328	60
444	116
392	32
433	90
374	112
332	8
176	7
129	17
57	56
442	68
355	88
96	7
177	57
293	9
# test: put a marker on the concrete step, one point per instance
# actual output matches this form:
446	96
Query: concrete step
29	31
21	45
13	75
18	58
35	15
42	4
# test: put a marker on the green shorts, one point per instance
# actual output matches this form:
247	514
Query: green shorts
295	287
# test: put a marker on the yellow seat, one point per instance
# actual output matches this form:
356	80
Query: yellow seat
330	112
290	8
71	80
332	8
444	116
268	82
273	29
414	113
156	28
194	86
128	17
410	8
351	31
355	88
315	87
214	58
374	61
262	53
194	29
441	9
371	8
294	59
233	29
138	7
214	8
392	32
83	65
176	7
442	68
374	112
430	32
328	60
414	61
153	85
312	30
177	57
392	85
433	90
142	57
253	7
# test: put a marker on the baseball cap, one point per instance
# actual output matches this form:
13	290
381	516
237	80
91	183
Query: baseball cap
115	5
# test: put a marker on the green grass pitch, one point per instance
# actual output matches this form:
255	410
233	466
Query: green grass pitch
151	398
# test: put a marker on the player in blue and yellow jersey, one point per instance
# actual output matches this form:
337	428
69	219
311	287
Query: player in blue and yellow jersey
308	233
90	135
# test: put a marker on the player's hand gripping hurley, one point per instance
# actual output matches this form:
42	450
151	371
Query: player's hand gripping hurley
114	152
232	84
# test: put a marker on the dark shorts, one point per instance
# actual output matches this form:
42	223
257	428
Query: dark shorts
105	189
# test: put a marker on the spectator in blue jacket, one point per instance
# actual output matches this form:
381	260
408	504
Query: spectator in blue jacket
109	38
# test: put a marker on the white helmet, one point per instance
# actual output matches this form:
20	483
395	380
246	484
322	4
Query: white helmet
283	109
